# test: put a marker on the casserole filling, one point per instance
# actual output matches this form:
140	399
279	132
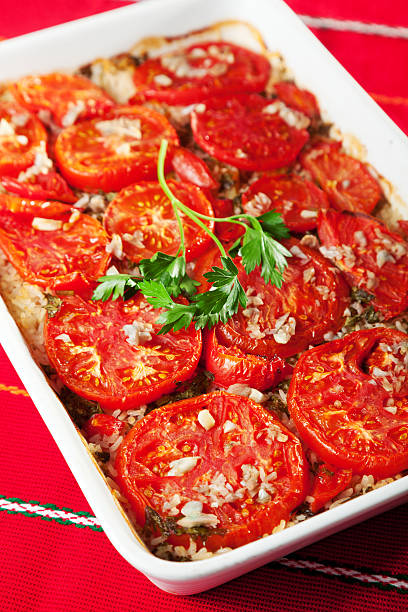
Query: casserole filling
231	339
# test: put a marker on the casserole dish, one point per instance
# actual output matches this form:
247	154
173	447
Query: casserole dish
386	148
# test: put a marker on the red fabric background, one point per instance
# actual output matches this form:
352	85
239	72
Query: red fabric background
51	567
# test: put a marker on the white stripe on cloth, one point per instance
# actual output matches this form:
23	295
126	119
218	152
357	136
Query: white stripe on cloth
348	25
344	571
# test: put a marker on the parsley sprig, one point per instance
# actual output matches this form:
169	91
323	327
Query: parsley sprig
164	277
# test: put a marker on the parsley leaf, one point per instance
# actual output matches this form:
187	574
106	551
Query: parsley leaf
260	249
273	223
170	271
116	285
176	316
224	297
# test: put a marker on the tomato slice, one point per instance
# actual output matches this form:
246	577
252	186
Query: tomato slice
296	199
20	136
286	321
188	75
144	218
46	186
343	408
328	482
50	244
227	232
110	352
231	366
242	132
346	181
104	425
112	153
68	97
299	99
192	169
404	226
371	257
246	472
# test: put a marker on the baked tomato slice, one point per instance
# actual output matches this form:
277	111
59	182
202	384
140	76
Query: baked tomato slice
21	134
227	232
225	464
110	352
110	153
370	256
142	215
244	132
346	181
104	425
296	199
50	186
50	244
298	99
232	366
192	169
404	226
67	97
328	482
285	321
188	75
352	413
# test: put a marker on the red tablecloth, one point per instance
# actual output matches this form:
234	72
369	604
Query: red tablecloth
56	557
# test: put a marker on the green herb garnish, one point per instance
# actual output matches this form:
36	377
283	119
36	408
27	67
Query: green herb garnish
165	277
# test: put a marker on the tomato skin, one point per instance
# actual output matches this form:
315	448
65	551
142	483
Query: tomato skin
104	425
403	226
15	156
99	364
290	195
248	72
239	132
346	181
358	433
58	93
143	462
328	482
227	232
317	306
192	169
99	166
144	207
203	265
299	99
388	282
231	366
46	186
73	254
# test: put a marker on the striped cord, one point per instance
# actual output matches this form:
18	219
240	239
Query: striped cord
66	516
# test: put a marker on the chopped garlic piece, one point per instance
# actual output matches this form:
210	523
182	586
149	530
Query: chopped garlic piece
6	129
65	338
192	507
206	419
123	126
229	426
115	246
182	466
46	225
74	110
163	80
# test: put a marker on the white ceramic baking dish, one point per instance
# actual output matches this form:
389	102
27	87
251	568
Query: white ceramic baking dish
346	104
